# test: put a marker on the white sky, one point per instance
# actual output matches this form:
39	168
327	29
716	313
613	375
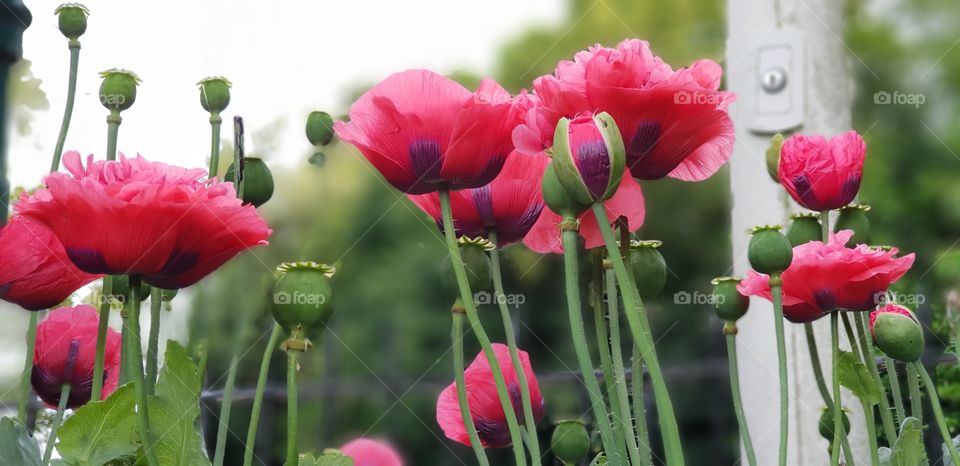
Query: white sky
285	59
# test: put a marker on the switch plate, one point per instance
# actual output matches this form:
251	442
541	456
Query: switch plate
779	82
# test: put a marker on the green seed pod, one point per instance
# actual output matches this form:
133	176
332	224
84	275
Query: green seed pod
649	268
319	128
72	20
557	198
729	304
570	442
825	426
118	90
854	217
769	250
257	180
214	93
121	288
897	332
301	296
168	295
804	228
589	157
773	157
473	251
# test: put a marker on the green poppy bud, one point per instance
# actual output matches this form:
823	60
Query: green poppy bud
589	157
473	251
804	228
214	93
257	180
854	217
301	296
120	289
570	442
825	425
649	268
773	157
72	20
728	303
118	90
769	250
319	128
557	198
168	295
897	333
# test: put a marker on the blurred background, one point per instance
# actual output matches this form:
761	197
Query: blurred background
379	368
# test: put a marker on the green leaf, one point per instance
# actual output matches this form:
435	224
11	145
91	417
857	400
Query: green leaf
101	431
856	378
328	458
17	448
174	410
908	449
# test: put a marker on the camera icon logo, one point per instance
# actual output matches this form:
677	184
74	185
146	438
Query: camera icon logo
682	98
482	297
881	98
682	297
282	297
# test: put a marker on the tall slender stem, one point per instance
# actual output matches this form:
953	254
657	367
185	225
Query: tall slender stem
25	387
730	330
895	391
64	398
776	291
473	317
215	122
113	128
153	341
825	226
619	454
106	299
293	366
837	417
224	419
458	374
619	373
886	415
258	395
499	292
68	111
640	329
822	387
132	323
869	421
916	399
640	408
937	411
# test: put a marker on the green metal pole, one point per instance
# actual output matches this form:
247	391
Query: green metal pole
14	19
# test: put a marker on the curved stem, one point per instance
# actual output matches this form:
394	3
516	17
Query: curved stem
640	408
640	328
224	419
214	169
25	388
871	433
895	391
258	395
132	322
916	400
106	298
293	452
619	373
776	291
886	415
837	418
113	128
529	420
471	308
68	111
153	341
606	362
458	368
822	387
937	411
731	336
64	398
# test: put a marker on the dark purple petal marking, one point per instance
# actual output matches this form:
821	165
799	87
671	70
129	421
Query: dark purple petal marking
826	300
179	262
643	140
849	189
425	161
593	162
805	192
483	202
91	261
492	433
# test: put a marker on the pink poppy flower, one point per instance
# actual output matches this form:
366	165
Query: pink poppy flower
822	174
134	217
673	122
367	452
829	277
510	204
424	132
36	272
488	416
65	352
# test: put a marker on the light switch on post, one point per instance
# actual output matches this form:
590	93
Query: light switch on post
779	100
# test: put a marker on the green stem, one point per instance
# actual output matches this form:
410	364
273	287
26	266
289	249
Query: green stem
937	411
606	361
224	419
68	111
215	122
619	373
731	336
106	298
64	398
871	433
132	323
822	387
640	328
475	324
825	226
776	291
153	341
916	400
113	128
293	452
886	415
640	408
837	421
258	395
895	391
499	292
458	373
25	387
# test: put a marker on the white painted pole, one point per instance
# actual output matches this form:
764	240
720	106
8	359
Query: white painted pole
821	107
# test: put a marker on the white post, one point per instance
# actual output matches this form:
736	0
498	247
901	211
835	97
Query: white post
823	88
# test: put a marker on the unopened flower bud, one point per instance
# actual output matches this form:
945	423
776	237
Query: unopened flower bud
302	294
897	333
769	250
214	93
557	198
649	268
804	228
825	425
473	251
728	303
773	157
257	180
319	128
854	217
72	20
589	157
570	442
118	90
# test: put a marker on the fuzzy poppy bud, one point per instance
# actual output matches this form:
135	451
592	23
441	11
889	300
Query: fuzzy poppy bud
589	157
557	198
804	228
214	93
769	250
72	20
897	333
120	289
570	441
302	294
649	268
825	425
854	217
319	128
729	304
257	180
118	90
773	157
473	251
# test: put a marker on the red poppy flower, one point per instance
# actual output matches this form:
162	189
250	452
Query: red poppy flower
425	132
822	174
36	272
65	352
367	452
510	204
134	217
828	277
488	416
673	123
